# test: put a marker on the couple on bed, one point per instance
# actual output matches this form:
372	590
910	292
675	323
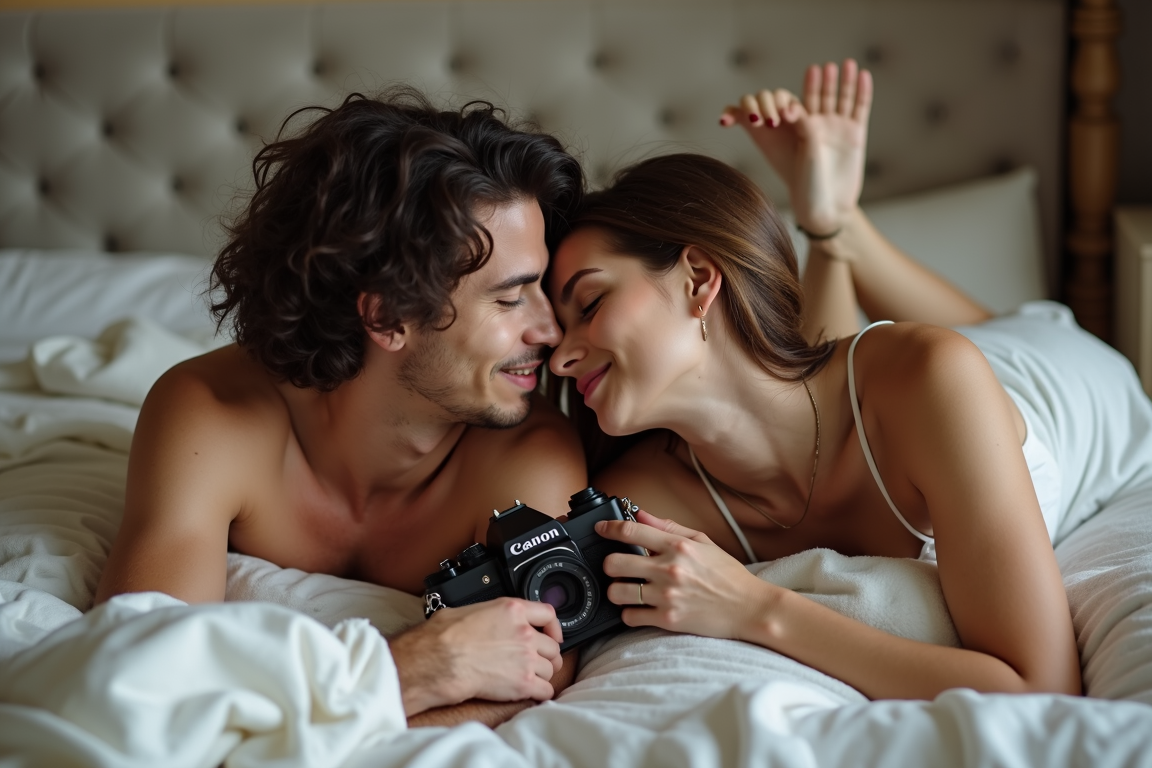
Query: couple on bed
401	275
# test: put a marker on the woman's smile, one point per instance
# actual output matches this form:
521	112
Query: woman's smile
587	383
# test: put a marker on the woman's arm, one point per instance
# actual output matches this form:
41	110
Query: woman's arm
948	435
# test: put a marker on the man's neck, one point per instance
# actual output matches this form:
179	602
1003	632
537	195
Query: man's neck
371	436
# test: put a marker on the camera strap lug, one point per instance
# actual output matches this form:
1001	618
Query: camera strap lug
432	603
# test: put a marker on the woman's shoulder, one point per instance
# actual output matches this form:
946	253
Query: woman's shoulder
910	358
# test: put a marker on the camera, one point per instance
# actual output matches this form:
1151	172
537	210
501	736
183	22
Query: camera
532	556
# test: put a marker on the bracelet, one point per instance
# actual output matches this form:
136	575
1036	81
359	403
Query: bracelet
814	236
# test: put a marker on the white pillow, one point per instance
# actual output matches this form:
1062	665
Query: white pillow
984	236
79	293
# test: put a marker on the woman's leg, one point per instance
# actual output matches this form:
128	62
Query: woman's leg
887	283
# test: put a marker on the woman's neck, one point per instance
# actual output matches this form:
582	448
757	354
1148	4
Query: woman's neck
750	430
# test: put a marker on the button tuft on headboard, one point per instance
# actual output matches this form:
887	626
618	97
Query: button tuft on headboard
177	184
667	117
107	129
457	63
44	187
936	113
319	68
39	72
741	58
874	56
242	126
601	60
173	70
111	243
1008	53
873	169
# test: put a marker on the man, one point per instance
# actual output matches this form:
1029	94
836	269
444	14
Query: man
384	288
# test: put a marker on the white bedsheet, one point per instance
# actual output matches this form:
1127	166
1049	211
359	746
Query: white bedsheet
146	680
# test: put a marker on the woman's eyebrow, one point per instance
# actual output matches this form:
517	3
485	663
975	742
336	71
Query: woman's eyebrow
566	292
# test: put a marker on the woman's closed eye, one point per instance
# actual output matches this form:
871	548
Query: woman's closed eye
590	309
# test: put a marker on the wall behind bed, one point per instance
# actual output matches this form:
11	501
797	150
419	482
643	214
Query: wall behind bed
133	128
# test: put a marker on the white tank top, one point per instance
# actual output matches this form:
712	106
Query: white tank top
927	552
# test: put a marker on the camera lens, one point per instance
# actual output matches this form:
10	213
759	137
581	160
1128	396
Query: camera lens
567	585
558	591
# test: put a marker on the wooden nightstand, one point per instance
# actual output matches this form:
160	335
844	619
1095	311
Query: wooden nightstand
1133	281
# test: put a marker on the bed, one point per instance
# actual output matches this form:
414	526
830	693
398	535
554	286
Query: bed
124	134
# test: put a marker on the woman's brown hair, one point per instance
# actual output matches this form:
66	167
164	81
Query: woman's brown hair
657	207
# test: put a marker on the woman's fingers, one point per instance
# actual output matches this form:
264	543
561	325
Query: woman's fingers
767	103
751	109
670	526
812	78
788	105
629	593
652	539
848	88
729	116
828	88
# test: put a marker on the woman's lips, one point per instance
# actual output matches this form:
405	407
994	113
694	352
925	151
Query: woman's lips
589	381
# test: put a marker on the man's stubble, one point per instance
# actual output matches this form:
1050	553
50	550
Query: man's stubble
441	377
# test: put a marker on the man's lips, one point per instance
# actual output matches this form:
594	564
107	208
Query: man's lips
523	375
589	380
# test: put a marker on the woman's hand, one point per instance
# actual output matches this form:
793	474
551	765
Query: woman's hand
691	585
816	147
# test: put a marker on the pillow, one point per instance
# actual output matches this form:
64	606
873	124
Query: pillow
78	293
984	236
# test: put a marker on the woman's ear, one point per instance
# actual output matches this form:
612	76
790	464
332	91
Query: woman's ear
704	278
391	340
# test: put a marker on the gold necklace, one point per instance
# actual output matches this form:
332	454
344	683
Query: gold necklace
811	482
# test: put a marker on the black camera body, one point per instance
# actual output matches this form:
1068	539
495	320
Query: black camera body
532	556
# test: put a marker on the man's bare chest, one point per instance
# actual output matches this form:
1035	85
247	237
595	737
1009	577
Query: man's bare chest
392	539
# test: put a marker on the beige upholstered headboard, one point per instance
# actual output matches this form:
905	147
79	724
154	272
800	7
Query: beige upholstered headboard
132	129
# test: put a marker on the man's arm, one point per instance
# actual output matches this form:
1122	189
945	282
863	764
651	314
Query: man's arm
180	496
492	713
542	464
505	651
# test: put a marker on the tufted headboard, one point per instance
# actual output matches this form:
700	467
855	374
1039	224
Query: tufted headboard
133	129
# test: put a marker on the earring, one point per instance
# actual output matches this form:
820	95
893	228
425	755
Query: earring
703	328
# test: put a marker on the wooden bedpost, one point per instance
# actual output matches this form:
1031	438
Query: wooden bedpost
1093	159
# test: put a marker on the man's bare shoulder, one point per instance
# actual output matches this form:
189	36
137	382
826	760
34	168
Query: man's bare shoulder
222	401
539	461
651	473
545	436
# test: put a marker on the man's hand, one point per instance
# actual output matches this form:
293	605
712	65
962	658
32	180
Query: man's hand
817	147
489	650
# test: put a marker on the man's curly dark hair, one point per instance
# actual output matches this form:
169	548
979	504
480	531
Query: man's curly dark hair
380	195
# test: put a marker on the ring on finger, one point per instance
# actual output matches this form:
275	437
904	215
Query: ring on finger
640	592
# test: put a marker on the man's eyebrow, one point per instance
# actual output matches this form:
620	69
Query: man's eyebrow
515	282
566	291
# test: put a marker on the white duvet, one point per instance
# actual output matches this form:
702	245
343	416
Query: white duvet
300	675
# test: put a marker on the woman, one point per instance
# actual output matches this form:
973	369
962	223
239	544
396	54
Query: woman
778	428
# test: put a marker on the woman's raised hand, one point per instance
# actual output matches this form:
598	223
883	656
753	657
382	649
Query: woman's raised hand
817	147
690	584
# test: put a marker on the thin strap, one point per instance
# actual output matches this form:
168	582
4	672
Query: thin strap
723	508
864	440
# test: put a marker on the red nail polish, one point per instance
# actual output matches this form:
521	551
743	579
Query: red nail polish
722	121
753	118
